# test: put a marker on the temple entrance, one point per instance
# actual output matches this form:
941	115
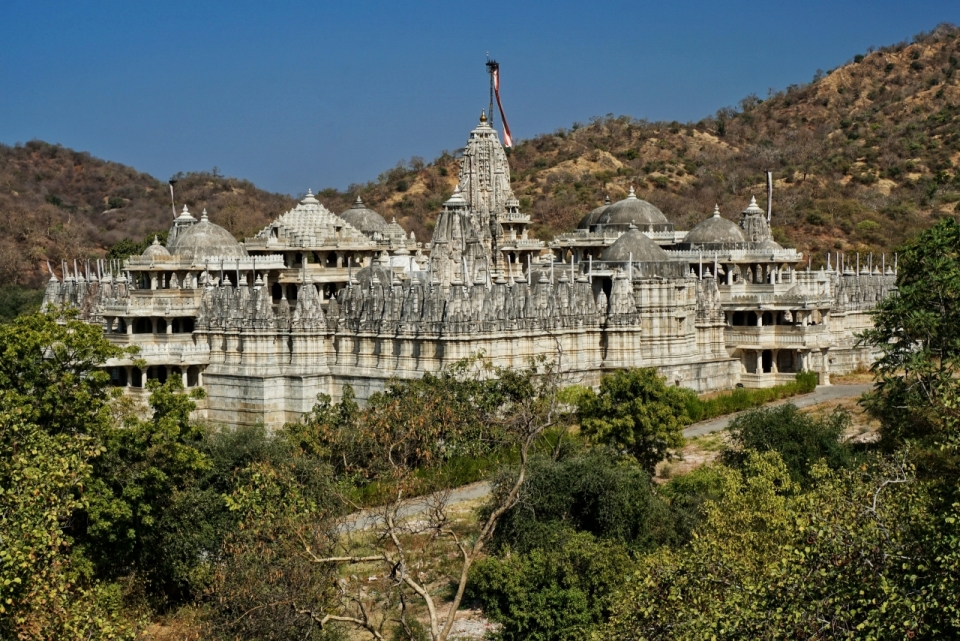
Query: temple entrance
767	361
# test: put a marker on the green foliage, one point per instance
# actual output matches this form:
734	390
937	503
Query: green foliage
801	440
555	592
635	411
918	337
414	424
592	491
743	399
263	585
847	559
139	481
41	480
16	300
49	369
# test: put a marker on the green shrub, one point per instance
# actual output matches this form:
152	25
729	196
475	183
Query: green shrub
558	592
16	300
800	439
742	399
594	490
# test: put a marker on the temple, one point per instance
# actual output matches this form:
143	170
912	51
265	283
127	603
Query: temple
317	301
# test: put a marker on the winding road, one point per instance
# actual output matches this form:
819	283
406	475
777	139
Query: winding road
368	518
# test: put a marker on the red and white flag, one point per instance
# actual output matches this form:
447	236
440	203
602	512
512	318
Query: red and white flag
507	138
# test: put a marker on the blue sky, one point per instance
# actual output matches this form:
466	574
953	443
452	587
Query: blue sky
294	95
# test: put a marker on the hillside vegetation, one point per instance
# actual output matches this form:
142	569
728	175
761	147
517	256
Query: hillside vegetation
863	156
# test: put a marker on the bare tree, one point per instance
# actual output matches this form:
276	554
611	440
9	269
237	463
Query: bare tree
408	536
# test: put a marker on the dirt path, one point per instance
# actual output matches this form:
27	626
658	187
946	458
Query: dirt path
366	519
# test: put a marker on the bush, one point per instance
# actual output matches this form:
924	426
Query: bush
558	592
800	439
743	399
594	491
16	300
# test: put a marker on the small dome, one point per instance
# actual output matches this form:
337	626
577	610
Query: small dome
206	240
753	209
770	244
364	219
156	252
591	219
632	210
457	199
715	230
636	246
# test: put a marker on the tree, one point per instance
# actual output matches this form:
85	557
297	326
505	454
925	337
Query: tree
50	367
636	412
853	558
141	480
515	407
593	491
918	337
800	439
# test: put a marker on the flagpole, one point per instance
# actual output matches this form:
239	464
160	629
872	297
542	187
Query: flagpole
491	64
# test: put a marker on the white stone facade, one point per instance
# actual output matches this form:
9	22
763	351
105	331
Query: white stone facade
316	301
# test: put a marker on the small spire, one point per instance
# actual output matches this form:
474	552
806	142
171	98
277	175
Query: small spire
753	201
606	200
156	241
203	216
716	211
632	193
358	203
185	210
483	116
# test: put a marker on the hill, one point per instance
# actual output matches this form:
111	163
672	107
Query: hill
59	204
864	156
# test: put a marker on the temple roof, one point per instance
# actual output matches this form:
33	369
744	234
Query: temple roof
591	218
206	240
715	230
364	218
634	246
632	210
309	224
156	252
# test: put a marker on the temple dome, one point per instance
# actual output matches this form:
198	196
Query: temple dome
632	210
363	218
636	246
715	230
591	218
156	252
206	240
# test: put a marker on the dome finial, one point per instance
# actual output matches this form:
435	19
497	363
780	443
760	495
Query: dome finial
716	211
156	241
753	201
203	216
632	193
358	202
483	116
606	200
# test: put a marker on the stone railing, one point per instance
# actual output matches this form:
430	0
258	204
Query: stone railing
777	336
246	263
737	255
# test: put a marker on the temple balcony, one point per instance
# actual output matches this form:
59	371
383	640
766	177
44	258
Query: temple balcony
777	337
506	217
